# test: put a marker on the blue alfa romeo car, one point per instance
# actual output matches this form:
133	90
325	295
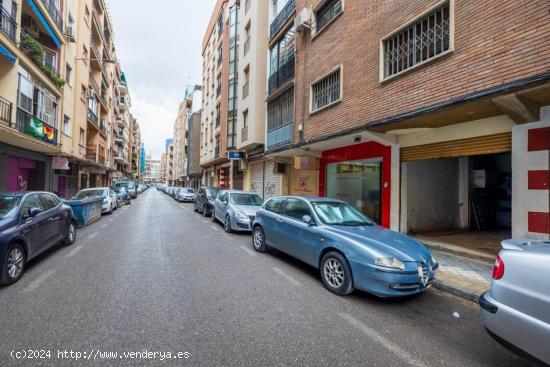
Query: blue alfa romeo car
350	250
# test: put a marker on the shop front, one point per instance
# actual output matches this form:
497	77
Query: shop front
359	174
23	170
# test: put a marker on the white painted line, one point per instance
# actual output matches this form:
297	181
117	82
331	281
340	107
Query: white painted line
41	278
74	251
287	277
248	251
383	341
214	226
92	235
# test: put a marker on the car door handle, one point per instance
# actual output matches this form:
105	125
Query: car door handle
26	230
49	220
279	220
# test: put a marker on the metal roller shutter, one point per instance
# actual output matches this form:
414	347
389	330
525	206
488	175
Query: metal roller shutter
490	144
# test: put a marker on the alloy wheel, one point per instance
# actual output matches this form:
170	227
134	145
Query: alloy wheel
15	263
258	238
334	272
72	232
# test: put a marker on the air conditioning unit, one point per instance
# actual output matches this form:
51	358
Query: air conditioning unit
279	168
70	32
91	93
303	20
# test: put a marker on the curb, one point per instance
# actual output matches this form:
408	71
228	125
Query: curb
444	287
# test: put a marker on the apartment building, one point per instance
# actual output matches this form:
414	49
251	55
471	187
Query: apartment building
252	108
220	53
180	144
136	150
409	111
163	168
154	170
59	77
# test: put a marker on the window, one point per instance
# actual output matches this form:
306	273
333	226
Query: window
326	91
87	14
274	205
83	94
68	74
66	125
296	208
82	137
32	202
281	60
280	112
245	119
327	12
420	41
220	25
84	54
49	201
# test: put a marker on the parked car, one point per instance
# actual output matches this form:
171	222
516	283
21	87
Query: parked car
130	186
204	200
236	209
109	197
350	250
30	223
185	194
123	197
516	310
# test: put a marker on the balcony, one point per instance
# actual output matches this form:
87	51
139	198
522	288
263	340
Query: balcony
121	124
217	151
119	158
91	152
8	26
218	120
245	89
92	117
120	139
33	126
218	91
280	136
54	13
246	46
122	104
5	111
285	72
282	17
36	52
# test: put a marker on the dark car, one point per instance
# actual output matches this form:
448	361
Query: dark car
204	200
30	223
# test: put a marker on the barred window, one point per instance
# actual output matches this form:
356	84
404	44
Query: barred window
280	111
420	41
328	12
326	91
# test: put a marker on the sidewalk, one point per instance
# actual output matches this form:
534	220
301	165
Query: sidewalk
464	277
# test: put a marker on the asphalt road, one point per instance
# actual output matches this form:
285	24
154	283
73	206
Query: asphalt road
156	277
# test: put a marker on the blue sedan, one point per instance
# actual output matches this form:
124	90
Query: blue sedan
30	223
350	250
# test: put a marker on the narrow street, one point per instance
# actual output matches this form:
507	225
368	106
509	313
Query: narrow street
155	276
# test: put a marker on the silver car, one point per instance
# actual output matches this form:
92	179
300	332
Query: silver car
516	310
236	209
185	194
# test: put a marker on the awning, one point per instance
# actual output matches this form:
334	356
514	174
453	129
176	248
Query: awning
8	54
45	24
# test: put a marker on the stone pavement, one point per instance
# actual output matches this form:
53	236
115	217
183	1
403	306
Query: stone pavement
462	276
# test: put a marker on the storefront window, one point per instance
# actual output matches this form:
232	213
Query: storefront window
358	183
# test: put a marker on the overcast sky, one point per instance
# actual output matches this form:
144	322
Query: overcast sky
159	46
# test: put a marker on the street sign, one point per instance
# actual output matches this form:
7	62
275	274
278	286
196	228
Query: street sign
235	155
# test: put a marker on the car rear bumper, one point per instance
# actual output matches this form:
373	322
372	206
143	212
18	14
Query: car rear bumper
242	225
515	330
387	284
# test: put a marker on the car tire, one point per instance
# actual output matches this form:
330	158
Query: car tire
213	215
70	236
204	211
258	239
195	208
15	256
336	273
227	224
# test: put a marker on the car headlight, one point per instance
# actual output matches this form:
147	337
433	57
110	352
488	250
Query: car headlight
241	215
434	262
390	262
105	201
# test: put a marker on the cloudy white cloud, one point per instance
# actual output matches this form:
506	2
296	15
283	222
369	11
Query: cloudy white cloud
159	46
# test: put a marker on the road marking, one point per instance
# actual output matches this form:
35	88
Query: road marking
383	341
287	277
74	251
248	251
104	225
214	226
92	235
41	278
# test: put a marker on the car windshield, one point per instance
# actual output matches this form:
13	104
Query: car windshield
8	205
341	214
89	194
188	191
121	184
246	199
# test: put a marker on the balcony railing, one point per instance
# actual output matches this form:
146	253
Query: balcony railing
282	17
280	136
33	126
5	111
54	12
246	47
7	24
246	89
285	72
35	51
92	117
218	120
244	134
91	152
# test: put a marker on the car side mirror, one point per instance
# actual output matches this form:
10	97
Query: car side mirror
307	219
32	212
224	202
